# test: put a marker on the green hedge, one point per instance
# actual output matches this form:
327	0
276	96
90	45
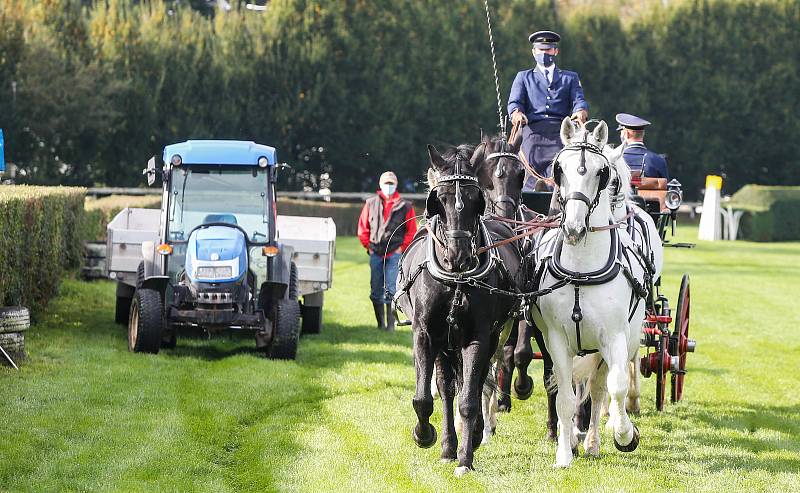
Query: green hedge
41	239
100	211
771	213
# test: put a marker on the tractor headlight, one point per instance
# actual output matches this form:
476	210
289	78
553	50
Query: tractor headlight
176	160
674	195
210	272
263	162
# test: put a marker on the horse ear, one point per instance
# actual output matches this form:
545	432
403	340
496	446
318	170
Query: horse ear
437	161
567	130
600	134
484	137
478	156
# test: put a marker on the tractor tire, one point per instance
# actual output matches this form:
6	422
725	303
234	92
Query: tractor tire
287	323
140	274
14	319
146	323
312	319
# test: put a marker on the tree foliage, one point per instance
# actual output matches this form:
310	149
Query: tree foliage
88	91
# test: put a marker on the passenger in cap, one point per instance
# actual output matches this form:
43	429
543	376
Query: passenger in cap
385	228
541	97
639	158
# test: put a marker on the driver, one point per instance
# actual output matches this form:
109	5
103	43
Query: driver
639	158
542	97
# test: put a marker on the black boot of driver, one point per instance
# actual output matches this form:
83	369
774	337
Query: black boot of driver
379	314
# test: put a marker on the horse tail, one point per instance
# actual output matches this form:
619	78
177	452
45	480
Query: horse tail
584	368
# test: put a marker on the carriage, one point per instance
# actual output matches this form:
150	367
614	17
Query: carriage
665	348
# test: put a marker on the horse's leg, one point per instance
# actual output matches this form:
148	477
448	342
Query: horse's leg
489	407
475	365
565	398
597	391
446	381
632	403
584	409
523	354
626	436
505	371
424	434
547	378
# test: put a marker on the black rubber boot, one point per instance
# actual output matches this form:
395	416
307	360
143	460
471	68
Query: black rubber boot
390	316
380	316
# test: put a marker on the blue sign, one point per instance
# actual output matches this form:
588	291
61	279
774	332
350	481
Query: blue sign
2	152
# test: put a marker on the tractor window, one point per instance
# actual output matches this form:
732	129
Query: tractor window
218	194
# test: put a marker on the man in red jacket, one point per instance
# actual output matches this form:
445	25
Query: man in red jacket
386	227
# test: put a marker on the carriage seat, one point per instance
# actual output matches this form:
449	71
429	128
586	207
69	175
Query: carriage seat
652	190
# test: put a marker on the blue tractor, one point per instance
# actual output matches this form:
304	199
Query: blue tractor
211	257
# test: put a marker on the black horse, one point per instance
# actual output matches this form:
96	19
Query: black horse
501	174
443	287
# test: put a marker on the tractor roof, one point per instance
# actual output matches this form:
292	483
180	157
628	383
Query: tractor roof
222	152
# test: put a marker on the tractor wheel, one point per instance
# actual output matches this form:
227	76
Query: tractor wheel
140	274
14	319
683	343
312	319
287	323
146	323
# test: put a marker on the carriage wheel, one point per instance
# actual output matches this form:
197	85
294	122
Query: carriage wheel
684	344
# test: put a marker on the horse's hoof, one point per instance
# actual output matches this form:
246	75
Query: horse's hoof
552	433
631	446
575	451
504	404
522	390
462	471
424	441
487	437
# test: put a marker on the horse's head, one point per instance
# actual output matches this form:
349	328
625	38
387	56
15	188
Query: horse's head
458	200
619	185
500	173
582	173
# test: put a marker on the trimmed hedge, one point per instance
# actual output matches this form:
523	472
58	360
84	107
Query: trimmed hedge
99	212
771	213
41	239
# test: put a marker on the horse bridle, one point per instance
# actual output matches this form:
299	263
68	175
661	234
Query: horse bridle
461	180
584	147
499	173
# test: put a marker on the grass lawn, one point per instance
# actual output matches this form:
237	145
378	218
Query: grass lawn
85	414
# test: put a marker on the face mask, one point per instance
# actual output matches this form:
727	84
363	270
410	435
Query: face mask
544	59
388	189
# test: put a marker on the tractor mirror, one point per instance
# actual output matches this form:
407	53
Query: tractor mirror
150	171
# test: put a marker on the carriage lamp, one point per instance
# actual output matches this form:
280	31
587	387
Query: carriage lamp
164	249
674	195
176	160
263	162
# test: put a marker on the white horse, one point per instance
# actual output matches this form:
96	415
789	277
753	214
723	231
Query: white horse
596	309
644	233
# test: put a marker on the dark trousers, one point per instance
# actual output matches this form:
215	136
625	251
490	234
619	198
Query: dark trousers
541	141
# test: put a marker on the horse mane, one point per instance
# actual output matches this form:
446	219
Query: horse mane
450	155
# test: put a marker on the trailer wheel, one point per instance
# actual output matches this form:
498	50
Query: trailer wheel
287	323
122	310
146	322
312	314
14	319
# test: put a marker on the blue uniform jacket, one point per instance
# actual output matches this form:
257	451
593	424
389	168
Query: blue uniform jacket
531	95
638	156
